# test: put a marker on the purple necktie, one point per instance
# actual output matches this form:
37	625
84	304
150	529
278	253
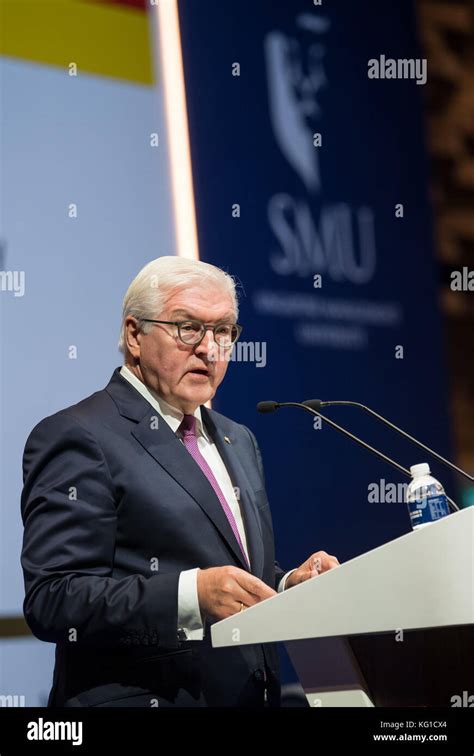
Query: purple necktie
188	430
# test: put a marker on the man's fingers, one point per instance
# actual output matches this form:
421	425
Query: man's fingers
321	561
259	590
254	587
299	576
247	599
251	592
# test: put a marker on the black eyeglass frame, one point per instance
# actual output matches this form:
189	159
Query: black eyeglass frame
212	326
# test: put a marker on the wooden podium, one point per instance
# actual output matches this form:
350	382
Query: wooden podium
392	627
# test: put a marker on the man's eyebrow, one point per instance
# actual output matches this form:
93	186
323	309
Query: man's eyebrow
230	316
182	313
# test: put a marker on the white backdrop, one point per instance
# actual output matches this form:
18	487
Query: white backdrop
65	140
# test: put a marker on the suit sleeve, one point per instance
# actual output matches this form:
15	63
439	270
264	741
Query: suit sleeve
68	510
279	572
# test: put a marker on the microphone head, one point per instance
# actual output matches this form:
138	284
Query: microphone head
315	404
266	407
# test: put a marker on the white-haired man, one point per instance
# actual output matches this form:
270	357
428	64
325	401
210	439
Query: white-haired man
146	518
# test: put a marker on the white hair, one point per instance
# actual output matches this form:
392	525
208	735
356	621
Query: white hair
149	290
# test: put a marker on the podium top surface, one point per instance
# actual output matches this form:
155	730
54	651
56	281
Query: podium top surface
422	579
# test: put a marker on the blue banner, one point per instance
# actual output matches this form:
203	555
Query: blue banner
310	175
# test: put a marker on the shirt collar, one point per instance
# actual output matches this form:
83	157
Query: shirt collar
172	415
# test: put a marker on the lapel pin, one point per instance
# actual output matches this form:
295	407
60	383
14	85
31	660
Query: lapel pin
227	439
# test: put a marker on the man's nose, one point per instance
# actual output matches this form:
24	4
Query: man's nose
208	344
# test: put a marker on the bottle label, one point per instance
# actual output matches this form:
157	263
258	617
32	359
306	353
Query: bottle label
428	509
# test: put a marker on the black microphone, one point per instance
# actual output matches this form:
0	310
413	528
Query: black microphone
267	406
316	404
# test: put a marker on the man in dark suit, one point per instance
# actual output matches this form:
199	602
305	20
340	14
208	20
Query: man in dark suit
146	517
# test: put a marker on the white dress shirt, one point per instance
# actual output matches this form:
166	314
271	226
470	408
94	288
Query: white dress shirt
189	615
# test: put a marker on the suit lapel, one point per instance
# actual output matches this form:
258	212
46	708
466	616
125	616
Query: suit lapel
156	436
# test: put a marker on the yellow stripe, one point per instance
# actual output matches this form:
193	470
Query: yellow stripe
109	40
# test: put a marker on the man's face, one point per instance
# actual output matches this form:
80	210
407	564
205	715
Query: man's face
165	364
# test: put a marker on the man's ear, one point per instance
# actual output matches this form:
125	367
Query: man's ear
133	336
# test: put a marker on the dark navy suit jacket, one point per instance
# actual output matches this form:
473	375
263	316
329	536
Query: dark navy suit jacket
107	499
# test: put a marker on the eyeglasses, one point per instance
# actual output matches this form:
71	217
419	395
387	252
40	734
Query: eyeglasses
193	331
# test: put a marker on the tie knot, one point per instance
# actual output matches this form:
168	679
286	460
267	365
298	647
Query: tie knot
188	425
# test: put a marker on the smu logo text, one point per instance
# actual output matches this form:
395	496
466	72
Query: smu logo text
335	239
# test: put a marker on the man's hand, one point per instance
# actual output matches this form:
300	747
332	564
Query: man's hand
221	589
317	563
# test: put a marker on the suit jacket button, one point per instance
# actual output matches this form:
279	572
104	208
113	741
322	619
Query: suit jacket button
258	675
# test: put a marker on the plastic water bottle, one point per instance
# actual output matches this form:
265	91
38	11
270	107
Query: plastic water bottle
425	497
